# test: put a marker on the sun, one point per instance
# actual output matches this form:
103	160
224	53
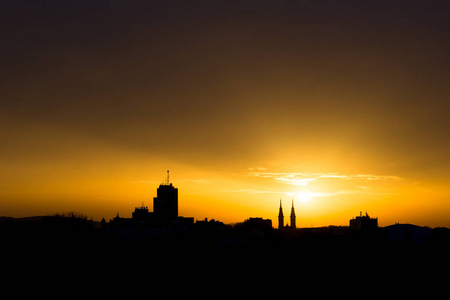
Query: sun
305	196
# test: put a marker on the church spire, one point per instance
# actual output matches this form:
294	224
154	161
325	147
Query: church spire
293	225
280	217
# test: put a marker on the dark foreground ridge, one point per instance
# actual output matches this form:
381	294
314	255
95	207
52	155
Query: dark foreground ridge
211	252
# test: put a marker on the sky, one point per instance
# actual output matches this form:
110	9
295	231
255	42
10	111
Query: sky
338	106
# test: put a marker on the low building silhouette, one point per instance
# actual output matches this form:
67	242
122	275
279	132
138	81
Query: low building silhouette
364	223
263	224
254	229
142	215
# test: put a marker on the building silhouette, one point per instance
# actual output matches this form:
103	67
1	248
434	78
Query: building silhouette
293	225
280	217
140	213
165	204
364	223
163	219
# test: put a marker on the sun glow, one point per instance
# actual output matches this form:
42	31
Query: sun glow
305	196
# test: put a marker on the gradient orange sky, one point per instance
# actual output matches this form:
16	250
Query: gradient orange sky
343	107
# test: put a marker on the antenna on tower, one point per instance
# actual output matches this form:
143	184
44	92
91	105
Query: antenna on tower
167	180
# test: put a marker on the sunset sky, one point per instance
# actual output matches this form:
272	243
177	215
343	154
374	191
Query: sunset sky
343	106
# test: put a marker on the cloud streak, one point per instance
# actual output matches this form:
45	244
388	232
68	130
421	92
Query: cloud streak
303	179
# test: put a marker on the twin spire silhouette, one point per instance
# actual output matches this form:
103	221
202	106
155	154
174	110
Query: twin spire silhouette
281	217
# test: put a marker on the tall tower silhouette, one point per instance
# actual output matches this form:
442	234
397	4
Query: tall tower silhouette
293	226
165	205
280	217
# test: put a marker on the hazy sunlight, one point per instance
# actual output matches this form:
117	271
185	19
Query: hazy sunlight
304	196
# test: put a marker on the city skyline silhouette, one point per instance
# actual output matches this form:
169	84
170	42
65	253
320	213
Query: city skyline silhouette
214	254
164	221
165	215
334	107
